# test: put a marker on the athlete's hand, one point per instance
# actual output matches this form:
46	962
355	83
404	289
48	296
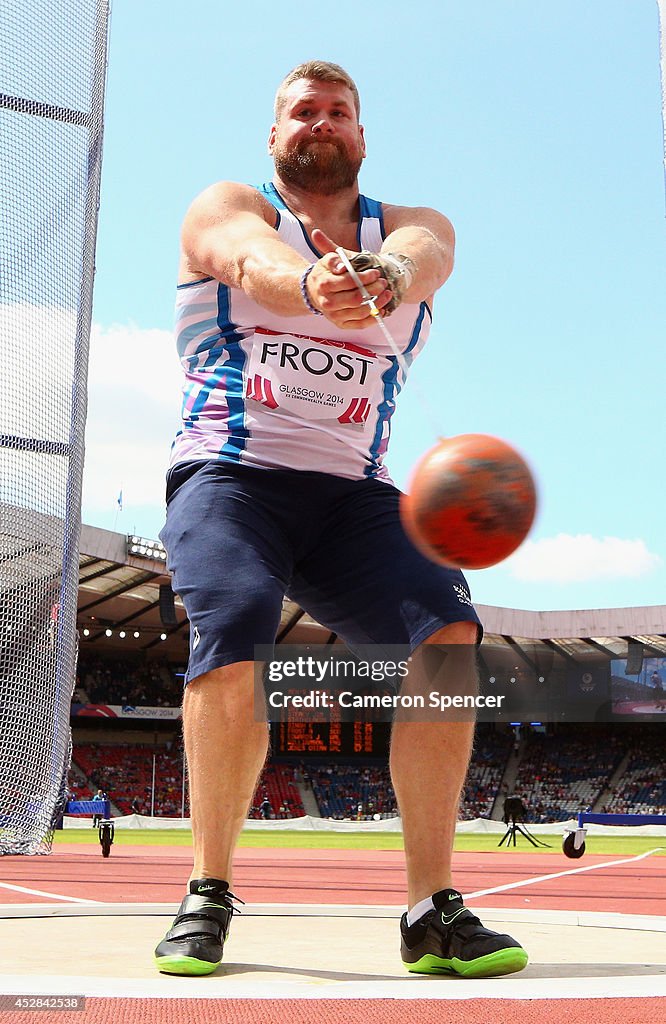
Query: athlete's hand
332	289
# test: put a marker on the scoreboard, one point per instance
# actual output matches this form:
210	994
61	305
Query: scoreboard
331	738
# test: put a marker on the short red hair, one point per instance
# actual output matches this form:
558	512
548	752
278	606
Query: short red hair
316	71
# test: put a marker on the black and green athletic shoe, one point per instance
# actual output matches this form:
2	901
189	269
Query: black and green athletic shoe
451	940
194	943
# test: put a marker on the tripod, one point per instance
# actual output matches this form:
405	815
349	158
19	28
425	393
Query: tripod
511	831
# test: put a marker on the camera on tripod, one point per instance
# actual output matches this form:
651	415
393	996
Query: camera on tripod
514	810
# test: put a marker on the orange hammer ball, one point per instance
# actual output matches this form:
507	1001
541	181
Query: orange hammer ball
471	502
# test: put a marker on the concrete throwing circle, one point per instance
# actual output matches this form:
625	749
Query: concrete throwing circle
305	951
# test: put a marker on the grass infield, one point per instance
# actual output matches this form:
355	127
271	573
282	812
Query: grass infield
620	845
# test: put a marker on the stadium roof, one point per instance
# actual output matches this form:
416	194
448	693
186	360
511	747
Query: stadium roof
119	591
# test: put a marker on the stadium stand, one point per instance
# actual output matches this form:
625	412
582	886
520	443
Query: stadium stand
124	772
641	789
129	656
277	785
361	792
618	769
563	773
119	681
492	750
353	791
557	775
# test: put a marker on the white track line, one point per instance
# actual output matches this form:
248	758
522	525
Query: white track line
571	918
49	895
559	874
276	987
467	896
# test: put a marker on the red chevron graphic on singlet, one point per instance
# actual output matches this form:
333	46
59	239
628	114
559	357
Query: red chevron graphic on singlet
356	412
259	388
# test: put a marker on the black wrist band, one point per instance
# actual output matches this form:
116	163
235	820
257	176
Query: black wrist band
304	292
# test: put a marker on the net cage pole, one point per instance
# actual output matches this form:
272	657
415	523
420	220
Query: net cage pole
52	85
67	606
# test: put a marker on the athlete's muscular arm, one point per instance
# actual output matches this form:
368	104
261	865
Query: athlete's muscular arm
229	234
427	237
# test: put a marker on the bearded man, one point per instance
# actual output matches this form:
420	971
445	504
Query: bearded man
278	486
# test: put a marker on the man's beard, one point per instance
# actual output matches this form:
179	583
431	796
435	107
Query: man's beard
319	166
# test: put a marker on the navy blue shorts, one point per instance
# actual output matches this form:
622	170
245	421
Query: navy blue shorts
239	538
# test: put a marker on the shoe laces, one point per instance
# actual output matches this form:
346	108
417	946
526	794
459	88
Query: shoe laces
232	900
225	900
228	899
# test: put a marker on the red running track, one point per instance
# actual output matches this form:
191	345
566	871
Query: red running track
149	874
351	1011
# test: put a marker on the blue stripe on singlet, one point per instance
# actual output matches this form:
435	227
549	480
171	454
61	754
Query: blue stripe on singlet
386	407
228	370
188	334
213	342
232	370
191	284
269	191
371	209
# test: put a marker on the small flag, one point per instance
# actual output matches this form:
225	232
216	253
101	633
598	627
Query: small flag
120	501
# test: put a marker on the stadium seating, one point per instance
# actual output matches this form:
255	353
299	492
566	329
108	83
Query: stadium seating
141	684
557	776
641	789
278	785
489	759
562	774
353	791
125	772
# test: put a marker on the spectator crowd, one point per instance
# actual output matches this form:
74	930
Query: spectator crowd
566	772
136	683
557	776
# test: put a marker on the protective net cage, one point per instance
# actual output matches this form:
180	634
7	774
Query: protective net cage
52	78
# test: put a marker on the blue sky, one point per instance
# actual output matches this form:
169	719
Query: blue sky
537	130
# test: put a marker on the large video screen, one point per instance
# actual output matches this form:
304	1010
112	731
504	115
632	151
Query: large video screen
639	695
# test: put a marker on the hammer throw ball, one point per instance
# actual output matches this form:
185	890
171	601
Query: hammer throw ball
471	502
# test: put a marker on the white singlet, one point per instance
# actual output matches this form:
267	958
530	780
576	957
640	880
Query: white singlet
290	392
